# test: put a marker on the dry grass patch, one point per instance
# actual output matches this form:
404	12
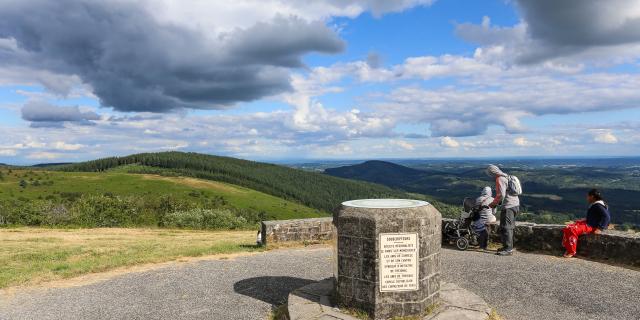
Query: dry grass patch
36	255
279	313
298	244
494	315
197	183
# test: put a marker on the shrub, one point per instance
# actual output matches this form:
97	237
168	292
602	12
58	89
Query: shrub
626	227
56	215
102	211
28	213
70	196
205	219
109	210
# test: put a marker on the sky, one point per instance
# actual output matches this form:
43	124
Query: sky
328	79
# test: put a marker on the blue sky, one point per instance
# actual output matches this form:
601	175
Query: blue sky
335	80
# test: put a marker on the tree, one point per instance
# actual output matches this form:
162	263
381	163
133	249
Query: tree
23	184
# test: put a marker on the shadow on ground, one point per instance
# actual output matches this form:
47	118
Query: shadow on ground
272	290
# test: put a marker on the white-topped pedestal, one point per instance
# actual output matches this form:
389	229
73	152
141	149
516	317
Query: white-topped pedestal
388	256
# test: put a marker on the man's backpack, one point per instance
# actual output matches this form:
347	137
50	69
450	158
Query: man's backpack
514	188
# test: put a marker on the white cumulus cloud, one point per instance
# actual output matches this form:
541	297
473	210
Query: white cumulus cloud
604	136
449	142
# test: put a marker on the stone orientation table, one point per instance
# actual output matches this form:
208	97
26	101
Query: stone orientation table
388	256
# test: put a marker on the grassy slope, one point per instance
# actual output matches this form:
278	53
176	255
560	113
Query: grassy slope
34	255
315	190
120	183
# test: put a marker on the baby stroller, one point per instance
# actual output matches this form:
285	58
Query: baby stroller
461	231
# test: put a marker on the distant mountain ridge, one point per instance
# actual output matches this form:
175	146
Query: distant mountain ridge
52	164
376	171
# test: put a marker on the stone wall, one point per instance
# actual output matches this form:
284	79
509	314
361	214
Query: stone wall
614	246
297	230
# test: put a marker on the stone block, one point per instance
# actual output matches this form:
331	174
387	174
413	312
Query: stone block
388	310
349	246
344	288
368	272
369	248
364	291
296	230
429	265
349	266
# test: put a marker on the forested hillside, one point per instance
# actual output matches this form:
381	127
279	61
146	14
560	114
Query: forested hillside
315	190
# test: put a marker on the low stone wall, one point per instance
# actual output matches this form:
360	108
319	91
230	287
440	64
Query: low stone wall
297	230
615	246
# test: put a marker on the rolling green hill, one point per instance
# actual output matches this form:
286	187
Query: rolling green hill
174	189
60	186
315	190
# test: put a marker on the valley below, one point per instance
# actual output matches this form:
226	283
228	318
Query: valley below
554	189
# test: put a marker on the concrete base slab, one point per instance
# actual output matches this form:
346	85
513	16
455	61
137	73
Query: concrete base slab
313	302
459	304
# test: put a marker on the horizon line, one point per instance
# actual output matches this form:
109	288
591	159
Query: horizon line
293	160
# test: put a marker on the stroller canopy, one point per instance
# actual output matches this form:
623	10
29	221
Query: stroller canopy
468	204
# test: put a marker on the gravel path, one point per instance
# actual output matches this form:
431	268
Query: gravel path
542	287
242	288
533	287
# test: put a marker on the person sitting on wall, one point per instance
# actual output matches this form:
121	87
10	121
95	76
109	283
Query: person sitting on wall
598	218
485	216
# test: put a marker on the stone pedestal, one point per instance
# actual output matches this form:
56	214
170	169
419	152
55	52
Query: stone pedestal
388	256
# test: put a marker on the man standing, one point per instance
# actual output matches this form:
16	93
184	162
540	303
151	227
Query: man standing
510	208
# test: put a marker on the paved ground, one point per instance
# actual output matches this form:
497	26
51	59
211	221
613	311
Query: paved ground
533	287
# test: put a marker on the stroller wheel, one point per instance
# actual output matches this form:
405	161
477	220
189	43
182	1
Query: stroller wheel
462	244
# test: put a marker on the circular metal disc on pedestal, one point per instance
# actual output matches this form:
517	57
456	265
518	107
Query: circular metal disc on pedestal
385	203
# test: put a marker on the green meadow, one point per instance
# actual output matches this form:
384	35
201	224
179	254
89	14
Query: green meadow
32	184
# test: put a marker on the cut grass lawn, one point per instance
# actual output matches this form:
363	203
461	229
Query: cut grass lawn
57	184
35	255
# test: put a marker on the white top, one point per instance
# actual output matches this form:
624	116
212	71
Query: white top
385	203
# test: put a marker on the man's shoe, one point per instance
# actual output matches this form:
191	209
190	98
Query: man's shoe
501	249
505	253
